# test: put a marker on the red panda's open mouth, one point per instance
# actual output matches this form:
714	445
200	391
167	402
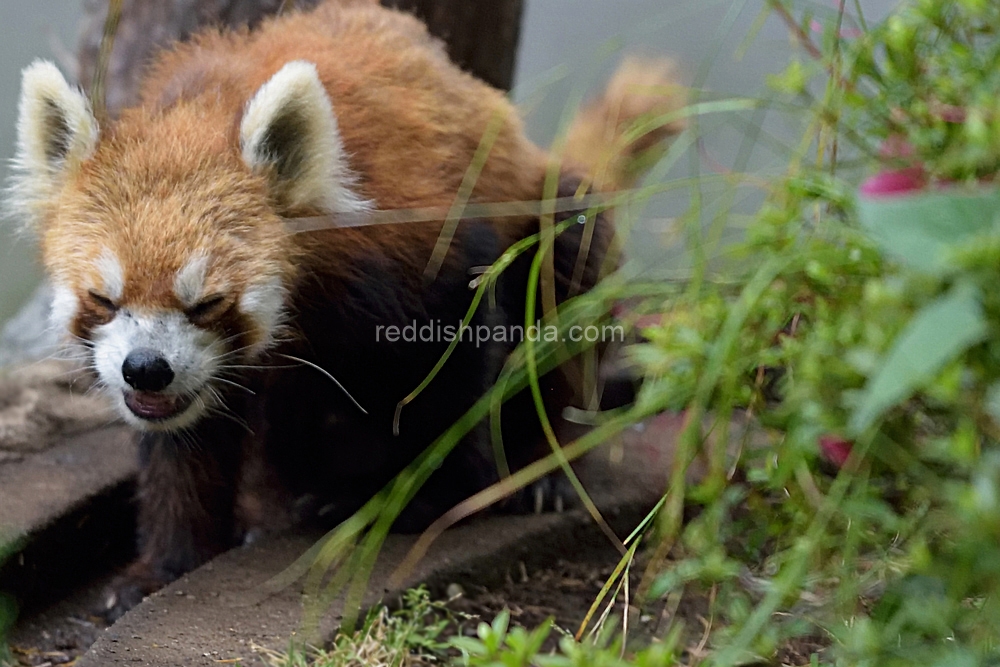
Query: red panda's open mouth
154	405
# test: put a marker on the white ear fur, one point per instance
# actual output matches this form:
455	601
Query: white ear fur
56	131
289	131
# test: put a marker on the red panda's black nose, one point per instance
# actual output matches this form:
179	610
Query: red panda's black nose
146	370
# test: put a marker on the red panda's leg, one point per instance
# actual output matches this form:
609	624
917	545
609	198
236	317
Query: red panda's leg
186	494
264	504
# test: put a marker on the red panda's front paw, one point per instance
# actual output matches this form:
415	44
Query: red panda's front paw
129	589
552	493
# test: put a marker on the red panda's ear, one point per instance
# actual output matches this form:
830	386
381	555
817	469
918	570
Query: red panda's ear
289	133
56	132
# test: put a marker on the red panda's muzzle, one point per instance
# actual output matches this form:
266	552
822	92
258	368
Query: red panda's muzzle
156	406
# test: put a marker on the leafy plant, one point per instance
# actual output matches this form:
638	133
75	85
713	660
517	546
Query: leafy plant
862	335
8	613
8	605
413	634
497	645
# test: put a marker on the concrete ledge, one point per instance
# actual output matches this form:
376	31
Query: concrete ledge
219	611
42	487
66	474
65	514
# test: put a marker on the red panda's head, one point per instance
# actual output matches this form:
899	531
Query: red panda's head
162	233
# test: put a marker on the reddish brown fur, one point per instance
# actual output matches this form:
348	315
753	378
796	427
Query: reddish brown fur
409	118
410	121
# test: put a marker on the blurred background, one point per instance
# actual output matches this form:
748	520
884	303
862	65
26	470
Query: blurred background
567	49
37	29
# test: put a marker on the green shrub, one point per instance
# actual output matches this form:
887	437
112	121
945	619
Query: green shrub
864	335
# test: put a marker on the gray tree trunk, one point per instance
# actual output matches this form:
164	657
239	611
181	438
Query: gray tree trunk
482	35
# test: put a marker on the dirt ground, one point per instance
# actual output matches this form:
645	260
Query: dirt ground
564	592
61	633
567	590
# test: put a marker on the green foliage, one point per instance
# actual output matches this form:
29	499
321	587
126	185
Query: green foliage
497	645
928	231
930	74
411	635
8	606
877	327
936	336
8	613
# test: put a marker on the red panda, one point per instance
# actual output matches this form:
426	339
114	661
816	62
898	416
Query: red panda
164	235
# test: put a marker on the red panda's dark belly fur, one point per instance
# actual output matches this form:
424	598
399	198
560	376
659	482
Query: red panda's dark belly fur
352	455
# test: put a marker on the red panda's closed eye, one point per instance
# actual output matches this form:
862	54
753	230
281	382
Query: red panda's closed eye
103	302
94	310
209	309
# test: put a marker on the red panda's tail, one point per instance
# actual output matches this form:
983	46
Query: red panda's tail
610	136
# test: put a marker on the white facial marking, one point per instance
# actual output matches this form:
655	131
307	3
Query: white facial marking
112	277
264	304
192	353
190	280
63	308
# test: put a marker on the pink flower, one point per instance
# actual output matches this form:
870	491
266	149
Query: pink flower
835	449
895	182
899	181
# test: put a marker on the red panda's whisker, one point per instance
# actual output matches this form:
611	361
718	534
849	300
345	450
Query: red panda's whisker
231	368
223	356
236	384
257	366
225	411
83	341
65	374
233	418
328	375
233	352
95	388
63	354
232	338
216	397
186	438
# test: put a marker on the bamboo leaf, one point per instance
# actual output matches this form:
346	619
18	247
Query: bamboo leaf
920	230
940	332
